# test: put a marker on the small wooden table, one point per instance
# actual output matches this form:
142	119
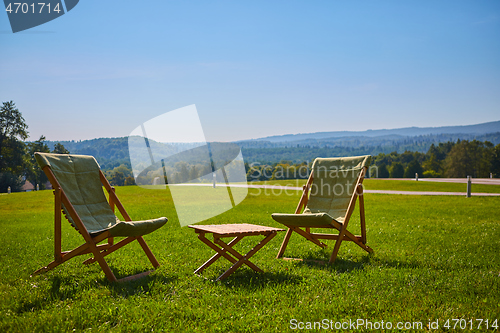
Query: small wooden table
238	231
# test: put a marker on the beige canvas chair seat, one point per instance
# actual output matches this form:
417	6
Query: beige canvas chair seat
132	228
78	181
327	201
305	220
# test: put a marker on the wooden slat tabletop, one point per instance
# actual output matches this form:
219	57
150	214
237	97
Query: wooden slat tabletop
234	229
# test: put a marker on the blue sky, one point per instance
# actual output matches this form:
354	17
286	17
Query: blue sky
255	68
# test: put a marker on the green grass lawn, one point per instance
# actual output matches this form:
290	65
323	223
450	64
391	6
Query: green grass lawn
435	258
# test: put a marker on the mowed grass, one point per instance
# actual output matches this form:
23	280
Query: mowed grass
435	258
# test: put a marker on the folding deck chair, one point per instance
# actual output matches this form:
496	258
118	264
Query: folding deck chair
77	181
334	185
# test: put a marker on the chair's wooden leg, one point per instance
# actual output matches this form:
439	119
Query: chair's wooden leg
65	257
134	277
349	235
120	244
150	254
285	243
217	256
57	225
337	246
357	241
47	268
105	268
362	215
78	251
100	259
112	206
111	249
310	237
247	256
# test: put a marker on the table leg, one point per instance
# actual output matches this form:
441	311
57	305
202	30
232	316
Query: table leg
220	253
247	256
237	255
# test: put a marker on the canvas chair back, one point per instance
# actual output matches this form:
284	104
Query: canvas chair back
334	180
79	178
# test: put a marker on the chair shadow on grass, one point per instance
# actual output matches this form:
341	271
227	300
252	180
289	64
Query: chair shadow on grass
319	260
139	286
340	266
60	287
66	287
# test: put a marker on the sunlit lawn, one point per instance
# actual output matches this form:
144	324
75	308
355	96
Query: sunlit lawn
435	258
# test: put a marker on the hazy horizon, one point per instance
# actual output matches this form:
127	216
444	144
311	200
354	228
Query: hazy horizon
181	143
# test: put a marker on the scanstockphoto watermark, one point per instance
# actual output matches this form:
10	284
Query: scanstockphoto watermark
364	324
258	171
327	181
356	324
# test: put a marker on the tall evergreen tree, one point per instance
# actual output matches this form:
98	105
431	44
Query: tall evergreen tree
13	130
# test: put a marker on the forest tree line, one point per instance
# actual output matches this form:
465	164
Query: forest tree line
456	159
449	159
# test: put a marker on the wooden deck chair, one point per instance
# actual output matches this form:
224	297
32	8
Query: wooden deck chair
77	181
334	185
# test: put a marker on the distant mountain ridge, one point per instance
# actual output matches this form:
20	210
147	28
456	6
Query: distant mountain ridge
477	129
111	152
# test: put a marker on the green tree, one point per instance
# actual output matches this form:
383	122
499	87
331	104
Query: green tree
382	171
182	172
33	173
118	179
472	158
129	181
13	129
382	158
127	172
253	172
280	171
442	150
495	161
458	163
193	173
266	172
432	167
59	149
8	179
397	170
413	168
407	157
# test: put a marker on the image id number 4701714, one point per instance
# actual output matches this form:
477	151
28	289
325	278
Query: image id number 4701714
33	8
471	324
